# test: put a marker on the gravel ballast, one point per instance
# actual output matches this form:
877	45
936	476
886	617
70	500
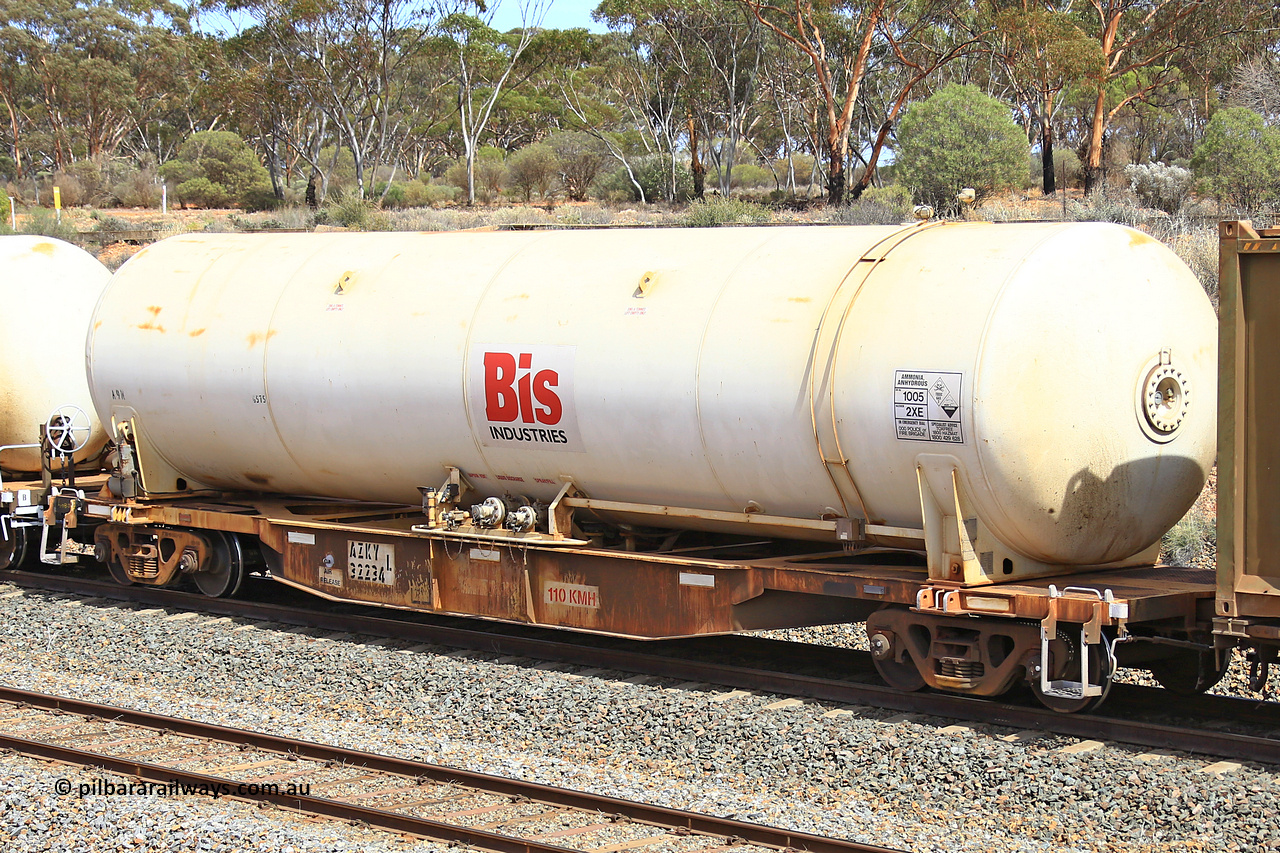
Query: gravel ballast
914	783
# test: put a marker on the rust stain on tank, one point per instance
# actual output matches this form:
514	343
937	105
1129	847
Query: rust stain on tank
255	338
197	333
1137	238
799	299
151	327
43	248
258	479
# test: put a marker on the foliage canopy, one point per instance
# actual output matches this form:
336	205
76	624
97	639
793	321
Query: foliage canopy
215	168
959	138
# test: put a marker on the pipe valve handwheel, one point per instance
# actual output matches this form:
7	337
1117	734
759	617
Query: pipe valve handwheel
67	430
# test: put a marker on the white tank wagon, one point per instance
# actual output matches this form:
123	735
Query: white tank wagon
48	289
1020	398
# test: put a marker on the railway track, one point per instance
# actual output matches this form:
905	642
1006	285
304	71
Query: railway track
1128	716
428	800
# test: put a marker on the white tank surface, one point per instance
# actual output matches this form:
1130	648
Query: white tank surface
48	289
1061	376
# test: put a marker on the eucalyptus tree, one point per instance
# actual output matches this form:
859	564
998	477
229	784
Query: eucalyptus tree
837	38
1041	52
845	41
484	61
84	70
630	100
1141	43
718	48
349	59
918	39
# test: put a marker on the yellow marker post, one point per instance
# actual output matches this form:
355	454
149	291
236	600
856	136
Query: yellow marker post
57	202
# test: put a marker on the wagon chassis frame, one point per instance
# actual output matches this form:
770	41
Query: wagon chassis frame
322	547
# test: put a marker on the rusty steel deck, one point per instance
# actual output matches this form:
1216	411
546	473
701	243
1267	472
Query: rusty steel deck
371	554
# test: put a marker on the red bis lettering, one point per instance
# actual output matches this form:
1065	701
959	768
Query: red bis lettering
510	390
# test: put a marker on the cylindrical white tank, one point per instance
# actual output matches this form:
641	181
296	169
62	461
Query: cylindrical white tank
1065	371
48	289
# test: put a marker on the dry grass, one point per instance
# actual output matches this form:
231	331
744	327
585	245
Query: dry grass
1193	237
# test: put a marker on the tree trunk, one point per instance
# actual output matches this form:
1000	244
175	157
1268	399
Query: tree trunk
273	167
1049	182
696	166
835	176
1093	162
471	176
17	149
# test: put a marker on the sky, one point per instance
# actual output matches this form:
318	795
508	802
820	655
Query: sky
561	15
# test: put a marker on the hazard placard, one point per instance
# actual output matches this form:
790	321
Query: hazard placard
927	405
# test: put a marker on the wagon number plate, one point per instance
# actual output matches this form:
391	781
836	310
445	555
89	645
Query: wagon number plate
373	562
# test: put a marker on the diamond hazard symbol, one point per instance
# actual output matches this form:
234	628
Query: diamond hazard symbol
943	395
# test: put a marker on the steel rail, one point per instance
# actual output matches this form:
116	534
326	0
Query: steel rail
657	816
1092	726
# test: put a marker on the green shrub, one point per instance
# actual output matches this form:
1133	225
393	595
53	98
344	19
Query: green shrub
746	175
717	211
1160	186
580	157
348	210
216	168
419	193
957	138
489	174
1239	159
533	169
653	173
391	196
91	180
441	194
1189	538
44	222
4	211
138	188
877	206
1109	206
110	223
202	192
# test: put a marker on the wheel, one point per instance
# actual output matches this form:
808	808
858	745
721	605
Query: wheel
1189	673
1065	651
901	675
15	549
118	573
221	576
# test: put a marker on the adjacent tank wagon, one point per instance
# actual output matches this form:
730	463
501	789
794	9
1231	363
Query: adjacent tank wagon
48	290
